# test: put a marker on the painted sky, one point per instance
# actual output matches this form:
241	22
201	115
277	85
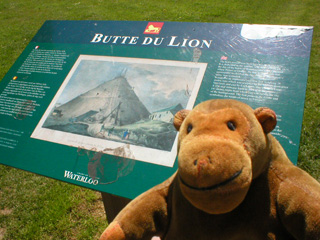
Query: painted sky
157	85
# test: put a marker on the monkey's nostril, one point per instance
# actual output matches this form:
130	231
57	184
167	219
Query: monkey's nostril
195	162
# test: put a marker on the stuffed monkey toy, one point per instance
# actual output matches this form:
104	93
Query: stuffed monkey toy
234	182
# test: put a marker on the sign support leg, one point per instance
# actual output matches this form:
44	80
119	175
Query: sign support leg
113	205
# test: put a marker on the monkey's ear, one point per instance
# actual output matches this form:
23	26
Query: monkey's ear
267	118
179	118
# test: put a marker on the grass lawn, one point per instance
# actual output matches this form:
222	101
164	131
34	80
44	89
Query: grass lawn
35	207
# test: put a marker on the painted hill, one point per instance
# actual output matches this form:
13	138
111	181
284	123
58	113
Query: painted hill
111	103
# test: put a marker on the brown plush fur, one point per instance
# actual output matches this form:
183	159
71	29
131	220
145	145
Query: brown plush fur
234	182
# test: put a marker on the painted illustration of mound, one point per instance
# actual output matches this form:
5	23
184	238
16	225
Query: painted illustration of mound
111	103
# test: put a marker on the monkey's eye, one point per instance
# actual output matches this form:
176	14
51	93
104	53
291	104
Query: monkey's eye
189	128
231	125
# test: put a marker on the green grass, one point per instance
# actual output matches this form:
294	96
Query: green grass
34	207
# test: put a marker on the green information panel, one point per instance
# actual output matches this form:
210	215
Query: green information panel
92	102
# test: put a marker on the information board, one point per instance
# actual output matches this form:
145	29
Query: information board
92	102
